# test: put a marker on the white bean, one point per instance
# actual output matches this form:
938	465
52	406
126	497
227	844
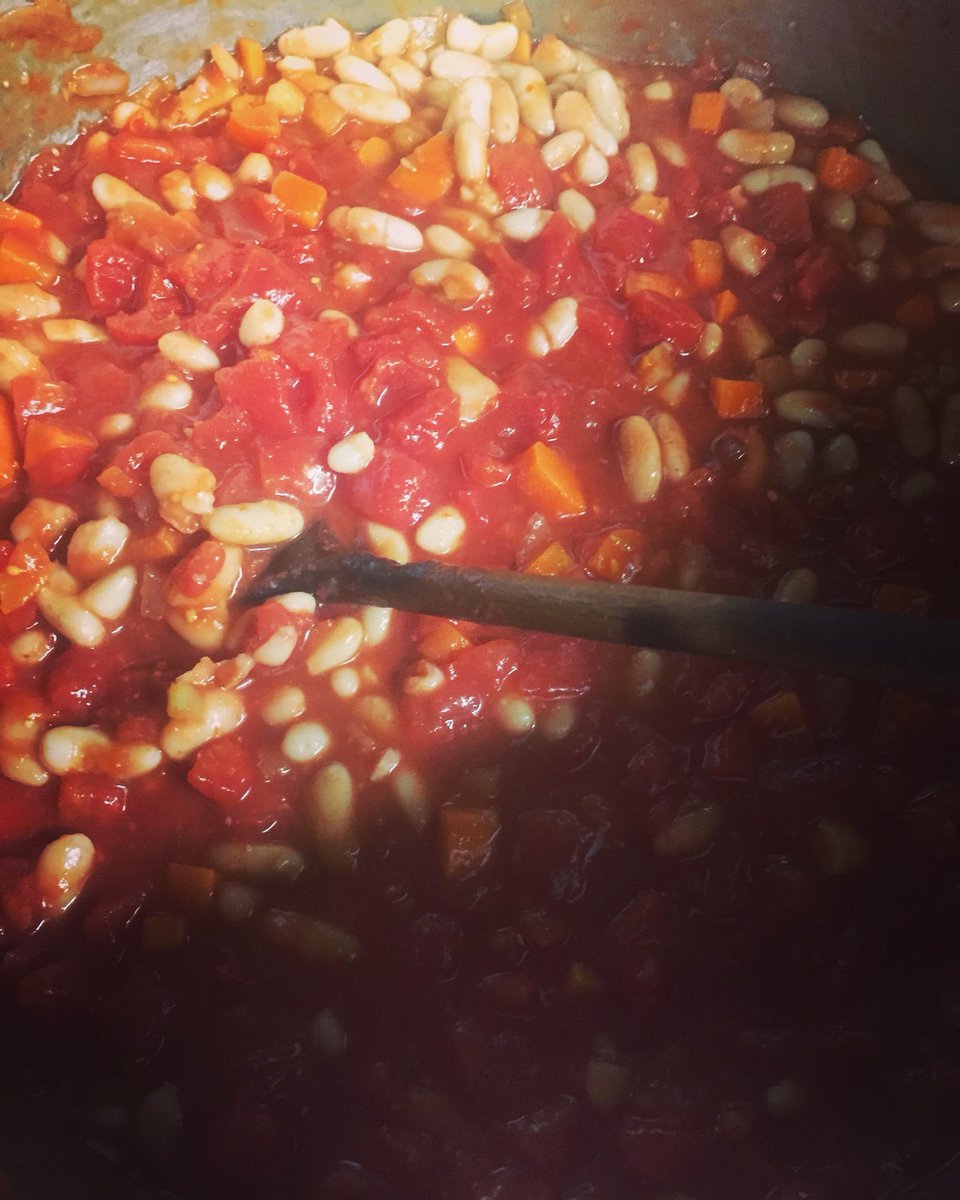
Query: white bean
475	391
26	302
815	410
574	111
577	209
873	339
370	227
113	194
533	99
351	454
756	147
63	868
441	532
523	224
592	167
458	67
261	324
351	69
336	643
111	596
499	40
641	461
562	149
369	104
606	96
67	329
447	242
557	325
188	352
255	523
937	220
802	112
675	453
504	112
745	251
643	168
305	741
170	394
764	178
316	41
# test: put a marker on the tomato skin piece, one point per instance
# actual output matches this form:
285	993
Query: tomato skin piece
223	771
394	489
520	177
113	276
659	318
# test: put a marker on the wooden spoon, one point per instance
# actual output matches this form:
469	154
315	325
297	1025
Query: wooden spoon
909	651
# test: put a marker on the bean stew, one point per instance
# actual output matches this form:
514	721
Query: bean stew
329	902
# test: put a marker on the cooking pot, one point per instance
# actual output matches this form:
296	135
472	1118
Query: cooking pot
892	60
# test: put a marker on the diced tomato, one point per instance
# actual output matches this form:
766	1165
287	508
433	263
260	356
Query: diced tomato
512	282
553	667
485	469
145	326
101	383
459	706
659	318
600	324
24	812
520	177
663	1151
296	467
264	388
113	276
76	681
194	574
56	455
816	272
129	466
223	771
397	369
8	670
91	799
206	271
34	397
623	239
559	262
262	275
425	424
394	489
782	214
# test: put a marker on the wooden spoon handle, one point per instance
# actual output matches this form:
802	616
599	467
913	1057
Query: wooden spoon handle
891	649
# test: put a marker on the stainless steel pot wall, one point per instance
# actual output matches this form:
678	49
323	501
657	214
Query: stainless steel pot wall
893	60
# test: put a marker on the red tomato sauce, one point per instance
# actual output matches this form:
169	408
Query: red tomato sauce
356	905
